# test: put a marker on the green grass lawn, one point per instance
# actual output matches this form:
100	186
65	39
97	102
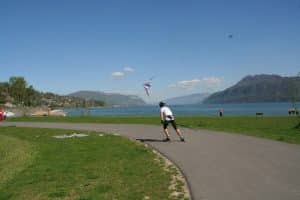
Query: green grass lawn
276	128
34	165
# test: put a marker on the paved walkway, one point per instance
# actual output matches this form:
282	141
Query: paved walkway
218	166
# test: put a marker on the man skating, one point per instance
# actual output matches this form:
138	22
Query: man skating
167	117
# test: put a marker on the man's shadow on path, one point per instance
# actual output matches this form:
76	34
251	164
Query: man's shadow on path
155	140
149	140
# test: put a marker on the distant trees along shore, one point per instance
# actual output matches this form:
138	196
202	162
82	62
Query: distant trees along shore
17	92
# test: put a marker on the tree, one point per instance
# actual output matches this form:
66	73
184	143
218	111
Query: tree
17	87
4	90
30	94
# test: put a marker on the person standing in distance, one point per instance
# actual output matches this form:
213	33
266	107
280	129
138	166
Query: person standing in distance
167	117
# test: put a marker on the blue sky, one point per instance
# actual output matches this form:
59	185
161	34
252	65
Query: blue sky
68	45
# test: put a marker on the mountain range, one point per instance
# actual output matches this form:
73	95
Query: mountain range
250	89
110	99
259	88
188	99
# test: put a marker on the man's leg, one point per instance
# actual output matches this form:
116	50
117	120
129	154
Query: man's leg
177	130
166	133
166	130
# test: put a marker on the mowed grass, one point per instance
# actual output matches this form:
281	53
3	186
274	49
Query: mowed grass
275	128
34	165
15	156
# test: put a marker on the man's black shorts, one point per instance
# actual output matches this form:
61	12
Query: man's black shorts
166	123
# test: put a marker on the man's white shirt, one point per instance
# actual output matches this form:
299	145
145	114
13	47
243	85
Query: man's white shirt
167	112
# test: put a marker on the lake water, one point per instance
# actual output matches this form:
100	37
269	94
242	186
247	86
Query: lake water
270	109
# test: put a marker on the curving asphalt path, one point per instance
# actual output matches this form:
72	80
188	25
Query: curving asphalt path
218	166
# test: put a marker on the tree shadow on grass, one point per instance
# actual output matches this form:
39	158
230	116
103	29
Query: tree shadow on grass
297	126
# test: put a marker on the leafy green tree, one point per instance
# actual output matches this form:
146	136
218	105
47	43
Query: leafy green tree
4	89
17	87
30	95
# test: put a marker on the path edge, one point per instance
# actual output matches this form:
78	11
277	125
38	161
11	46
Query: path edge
186	181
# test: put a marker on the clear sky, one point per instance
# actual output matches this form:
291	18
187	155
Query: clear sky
67	45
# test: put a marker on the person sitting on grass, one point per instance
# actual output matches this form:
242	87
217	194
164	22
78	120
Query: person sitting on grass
167	117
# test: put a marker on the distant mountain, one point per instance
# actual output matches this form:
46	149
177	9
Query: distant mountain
259	88
110	99
188	99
